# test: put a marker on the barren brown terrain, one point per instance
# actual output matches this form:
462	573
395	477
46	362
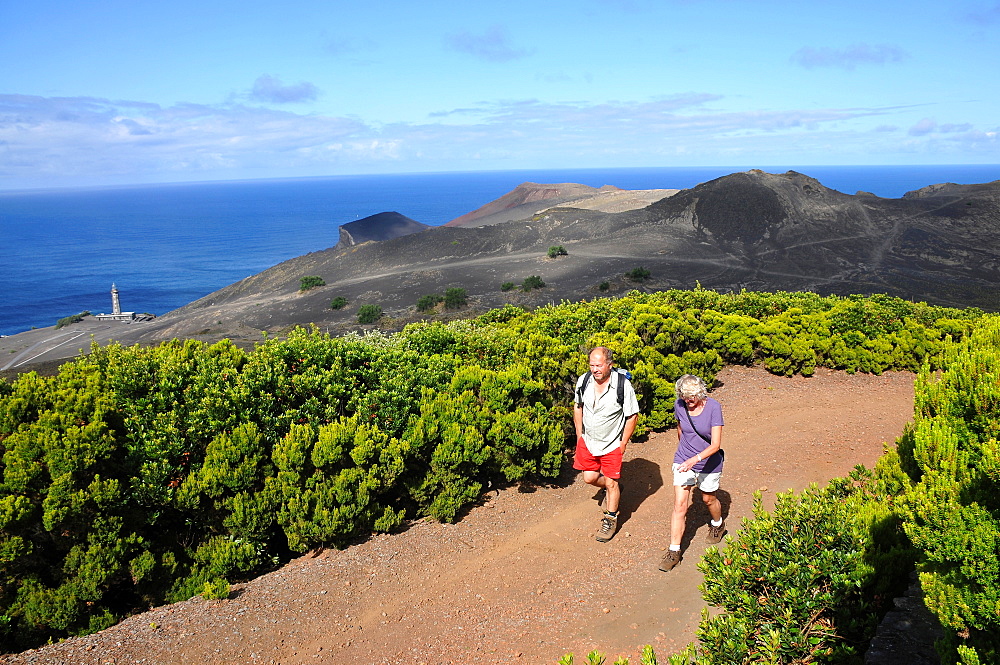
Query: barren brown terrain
521	579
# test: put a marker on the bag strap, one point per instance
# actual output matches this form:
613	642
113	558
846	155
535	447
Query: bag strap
695	429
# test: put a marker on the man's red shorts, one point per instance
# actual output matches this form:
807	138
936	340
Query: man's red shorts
609	465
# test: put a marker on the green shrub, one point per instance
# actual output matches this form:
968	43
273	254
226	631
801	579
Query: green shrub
556	251
604	286
76	318
455	298
369	314
639	274
952	510
647	657
311	282
533	282
507	286
428	302
217	589
340	302
804	582
145	473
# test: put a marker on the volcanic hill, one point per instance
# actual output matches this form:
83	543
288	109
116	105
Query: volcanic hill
378	227
751	230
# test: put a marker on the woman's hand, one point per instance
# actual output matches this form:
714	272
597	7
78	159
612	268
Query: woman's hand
688	464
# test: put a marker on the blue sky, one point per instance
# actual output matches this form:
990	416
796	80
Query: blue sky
137	91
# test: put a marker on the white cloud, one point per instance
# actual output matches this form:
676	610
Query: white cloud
923	127
849	57
87	138
927	126
270	89
82	141
494	45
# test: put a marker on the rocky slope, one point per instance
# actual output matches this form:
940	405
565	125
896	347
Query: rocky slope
524	201
749	230
752	230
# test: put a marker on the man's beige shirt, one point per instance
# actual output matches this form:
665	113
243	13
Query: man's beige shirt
603	419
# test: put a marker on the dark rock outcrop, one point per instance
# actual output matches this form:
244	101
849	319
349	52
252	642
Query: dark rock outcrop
907	634
378	227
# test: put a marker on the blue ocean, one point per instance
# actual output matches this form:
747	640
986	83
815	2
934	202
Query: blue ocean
166	245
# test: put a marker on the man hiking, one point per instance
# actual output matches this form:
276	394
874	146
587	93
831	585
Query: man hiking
604	414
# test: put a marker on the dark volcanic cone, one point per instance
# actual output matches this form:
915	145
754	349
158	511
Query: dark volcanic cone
378	227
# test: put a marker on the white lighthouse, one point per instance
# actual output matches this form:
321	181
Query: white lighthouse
116	309
116	305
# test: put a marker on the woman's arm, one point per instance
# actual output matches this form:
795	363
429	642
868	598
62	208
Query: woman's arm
713	448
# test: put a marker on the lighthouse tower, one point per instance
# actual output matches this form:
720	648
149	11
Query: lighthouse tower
116	309
116	306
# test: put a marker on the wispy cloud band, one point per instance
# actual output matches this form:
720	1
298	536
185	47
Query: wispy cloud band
84	140
270	89
494	45
850	57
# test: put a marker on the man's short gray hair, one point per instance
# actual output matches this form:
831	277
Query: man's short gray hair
605	351
691	386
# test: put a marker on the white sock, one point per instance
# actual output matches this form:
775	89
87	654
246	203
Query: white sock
675	548
716	522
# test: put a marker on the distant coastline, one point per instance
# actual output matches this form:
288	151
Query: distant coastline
168	245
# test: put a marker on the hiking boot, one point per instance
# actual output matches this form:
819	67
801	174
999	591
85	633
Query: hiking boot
609	524
670	559
715	533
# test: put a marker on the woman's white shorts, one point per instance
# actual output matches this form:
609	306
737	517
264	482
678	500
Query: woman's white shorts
706	482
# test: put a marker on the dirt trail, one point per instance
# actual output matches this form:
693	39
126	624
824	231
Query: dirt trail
521	579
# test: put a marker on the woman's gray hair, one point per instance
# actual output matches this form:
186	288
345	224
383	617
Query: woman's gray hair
691	386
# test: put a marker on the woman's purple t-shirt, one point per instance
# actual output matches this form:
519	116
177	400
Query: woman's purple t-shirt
690	443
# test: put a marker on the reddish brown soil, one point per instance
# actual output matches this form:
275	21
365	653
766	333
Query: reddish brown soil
521	579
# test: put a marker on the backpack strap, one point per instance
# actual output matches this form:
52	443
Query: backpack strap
583	387
623	376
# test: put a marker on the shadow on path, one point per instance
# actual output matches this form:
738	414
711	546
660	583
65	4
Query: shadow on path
640	480
698	516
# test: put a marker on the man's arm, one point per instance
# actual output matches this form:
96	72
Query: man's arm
578	419
630	423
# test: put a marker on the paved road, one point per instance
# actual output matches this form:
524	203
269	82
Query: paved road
45	345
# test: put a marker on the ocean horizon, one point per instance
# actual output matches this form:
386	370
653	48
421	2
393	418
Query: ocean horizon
165	245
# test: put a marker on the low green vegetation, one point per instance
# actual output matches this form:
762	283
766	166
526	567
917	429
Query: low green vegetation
76	318
595	657
311	282
639	274
138	476
948	470
507	286
533	282
604	286
557	251
429	302
340	302
369	314
455	298
809	580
